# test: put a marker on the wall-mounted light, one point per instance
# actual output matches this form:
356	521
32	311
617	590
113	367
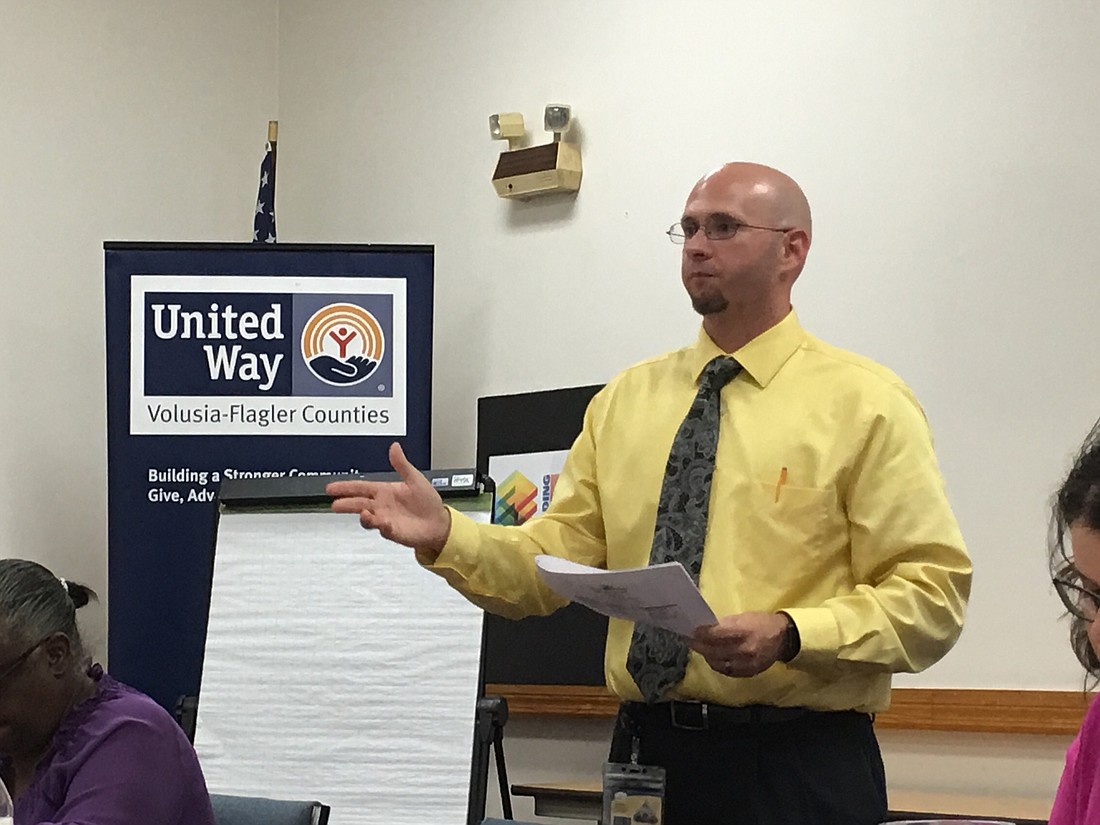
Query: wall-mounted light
556	118
536	170
507	126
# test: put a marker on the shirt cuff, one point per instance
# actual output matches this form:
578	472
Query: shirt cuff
819	634
462	536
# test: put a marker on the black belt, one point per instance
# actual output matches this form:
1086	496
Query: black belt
709	716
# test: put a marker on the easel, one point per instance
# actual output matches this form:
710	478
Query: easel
490	717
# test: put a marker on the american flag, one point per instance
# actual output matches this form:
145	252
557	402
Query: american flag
263	226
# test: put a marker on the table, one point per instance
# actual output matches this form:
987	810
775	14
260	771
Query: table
584	801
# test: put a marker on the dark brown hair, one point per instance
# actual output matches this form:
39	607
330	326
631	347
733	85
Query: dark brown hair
1078	503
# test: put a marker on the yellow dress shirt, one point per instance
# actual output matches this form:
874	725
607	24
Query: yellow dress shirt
826	503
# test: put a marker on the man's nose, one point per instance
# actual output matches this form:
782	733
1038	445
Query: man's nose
698	246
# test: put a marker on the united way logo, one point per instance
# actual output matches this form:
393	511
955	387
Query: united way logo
343	344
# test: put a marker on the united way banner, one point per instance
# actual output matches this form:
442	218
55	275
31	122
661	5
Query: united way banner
242	361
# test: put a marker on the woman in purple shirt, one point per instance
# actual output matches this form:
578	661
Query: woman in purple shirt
1077	579
75	745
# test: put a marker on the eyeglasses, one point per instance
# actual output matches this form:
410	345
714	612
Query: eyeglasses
717	227
1080	601
9	668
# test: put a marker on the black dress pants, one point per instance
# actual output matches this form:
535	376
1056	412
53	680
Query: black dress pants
758	765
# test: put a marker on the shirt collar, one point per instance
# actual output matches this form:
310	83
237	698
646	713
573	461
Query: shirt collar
762	357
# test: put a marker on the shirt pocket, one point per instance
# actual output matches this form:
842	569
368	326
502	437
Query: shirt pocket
794	518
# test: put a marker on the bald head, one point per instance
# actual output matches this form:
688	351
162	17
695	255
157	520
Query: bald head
740	269
766	196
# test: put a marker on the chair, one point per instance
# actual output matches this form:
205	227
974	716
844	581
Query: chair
187	710
254	810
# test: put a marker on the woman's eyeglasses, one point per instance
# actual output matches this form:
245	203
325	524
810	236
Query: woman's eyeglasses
8	668
1079	600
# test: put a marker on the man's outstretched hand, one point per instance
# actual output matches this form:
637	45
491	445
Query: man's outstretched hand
408	511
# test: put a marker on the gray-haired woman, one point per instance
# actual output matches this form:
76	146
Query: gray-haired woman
75	745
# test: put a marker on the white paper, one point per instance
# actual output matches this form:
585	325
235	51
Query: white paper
662	595
337	669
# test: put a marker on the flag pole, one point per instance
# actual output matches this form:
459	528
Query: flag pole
272	138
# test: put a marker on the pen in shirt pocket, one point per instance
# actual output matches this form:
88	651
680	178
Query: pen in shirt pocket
779	484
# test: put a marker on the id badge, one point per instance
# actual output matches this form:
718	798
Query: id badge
633	794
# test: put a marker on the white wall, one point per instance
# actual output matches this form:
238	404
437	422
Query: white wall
122	120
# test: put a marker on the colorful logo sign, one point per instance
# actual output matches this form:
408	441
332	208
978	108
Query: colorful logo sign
515	500
343	344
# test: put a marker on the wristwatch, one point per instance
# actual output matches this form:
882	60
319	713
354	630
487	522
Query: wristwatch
792	642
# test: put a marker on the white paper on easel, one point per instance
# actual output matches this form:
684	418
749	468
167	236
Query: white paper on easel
662	595
337	669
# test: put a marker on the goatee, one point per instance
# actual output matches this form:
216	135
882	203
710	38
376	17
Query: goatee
709	304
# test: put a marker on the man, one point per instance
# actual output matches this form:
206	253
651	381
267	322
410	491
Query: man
797	484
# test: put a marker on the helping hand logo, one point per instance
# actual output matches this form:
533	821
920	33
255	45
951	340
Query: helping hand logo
342	344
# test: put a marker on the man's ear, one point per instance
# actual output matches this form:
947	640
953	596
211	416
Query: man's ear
58	650
796	246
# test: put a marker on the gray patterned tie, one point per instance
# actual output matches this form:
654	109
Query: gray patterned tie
658	658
